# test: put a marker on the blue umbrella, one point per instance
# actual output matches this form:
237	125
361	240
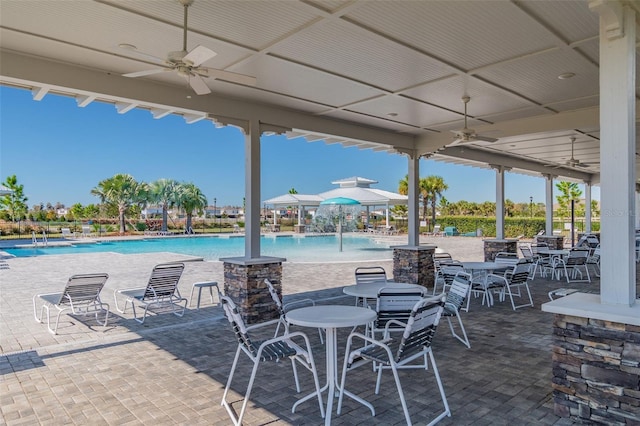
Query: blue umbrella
340	201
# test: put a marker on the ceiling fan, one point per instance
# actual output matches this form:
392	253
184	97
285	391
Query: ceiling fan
188	63
572	162
467	135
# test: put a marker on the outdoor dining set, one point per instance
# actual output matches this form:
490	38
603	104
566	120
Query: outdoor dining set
392	324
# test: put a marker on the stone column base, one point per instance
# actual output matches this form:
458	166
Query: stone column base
244	284
414	265
493	247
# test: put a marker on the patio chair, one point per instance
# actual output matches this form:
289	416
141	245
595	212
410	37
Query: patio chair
506	260
86	232
284	308
512	282
81	296
445	270
369	275
66	233
572	265
393	305
456	297
161	292
274	349
594	260
394	354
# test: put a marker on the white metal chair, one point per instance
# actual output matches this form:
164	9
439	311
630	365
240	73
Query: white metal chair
369	275
513	281
66	233
274	349
400	353
456	297
81	296
161	291
594	260
283	308
572	265
445	271
394	305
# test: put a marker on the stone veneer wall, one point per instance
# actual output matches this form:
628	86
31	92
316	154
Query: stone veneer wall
244	284
555	242
493	247
596	371
414	265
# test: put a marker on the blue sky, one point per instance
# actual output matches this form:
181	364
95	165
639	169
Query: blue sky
59	152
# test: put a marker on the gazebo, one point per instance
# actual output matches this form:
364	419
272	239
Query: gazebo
357	188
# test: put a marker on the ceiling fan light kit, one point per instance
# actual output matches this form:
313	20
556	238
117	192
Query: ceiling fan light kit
188	63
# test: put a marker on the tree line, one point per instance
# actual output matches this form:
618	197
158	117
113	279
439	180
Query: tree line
120	196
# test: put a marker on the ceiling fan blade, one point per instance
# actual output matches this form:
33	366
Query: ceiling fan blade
146	72
132	49
198	84
484	138
199	55
230	76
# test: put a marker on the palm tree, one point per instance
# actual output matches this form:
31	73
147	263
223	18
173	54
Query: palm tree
122	191
166	193
191	199
431	188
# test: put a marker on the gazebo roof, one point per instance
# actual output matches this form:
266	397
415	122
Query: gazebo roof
354	187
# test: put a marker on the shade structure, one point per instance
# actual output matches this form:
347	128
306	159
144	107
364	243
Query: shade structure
340	201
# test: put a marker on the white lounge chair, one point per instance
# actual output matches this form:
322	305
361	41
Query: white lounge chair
81	296
66	233
86	232
161	291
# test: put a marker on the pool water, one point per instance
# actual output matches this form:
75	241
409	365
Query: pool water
321	248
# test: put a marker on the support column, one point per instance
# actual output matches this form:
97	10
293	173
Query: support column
252	190
617	160
499	200
548	200
587	208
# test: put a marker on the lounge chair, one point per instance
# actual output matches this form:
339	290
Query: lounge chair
66	233
161	291
81	296
86	232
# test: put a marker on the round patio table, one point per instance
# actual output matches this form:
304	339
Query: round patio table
330	317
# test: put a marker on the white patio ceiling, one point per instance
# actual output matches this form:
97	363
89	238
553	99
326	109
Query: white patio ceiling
385	75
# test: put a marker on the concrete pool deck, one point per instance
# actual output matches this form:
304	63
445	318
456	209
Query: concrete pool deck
172	370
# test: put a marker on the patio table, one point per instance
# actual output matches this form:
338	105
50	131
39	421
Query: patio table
482	269
330	317
370	290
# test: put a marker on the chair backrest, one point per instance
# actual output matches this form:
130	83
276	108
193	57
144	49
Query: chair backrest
237	323
421	327
370	274
86	230
83	289
520	272
448	270
506	259
164	280
436	229
526	251
577	256
457	294
441	256
395	304
274	295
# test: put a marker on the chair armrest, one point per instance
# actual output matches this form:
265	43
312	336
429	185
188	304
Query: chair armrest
263	324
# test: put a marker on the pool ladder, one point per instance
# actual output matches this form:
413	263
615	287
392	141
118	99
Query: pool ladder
34	239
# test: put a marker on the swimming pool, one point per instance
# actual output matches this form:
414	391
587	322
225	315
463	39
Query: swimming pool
295	248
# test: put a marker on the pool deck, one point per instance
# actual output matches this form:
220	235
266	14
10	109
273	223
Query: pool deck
172	370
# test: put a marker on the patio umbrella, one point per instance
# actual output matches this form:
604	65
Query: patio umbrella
340	202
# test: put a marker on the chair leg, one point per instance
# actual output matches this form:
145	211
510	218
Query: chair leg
464	340
401	394
447	411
